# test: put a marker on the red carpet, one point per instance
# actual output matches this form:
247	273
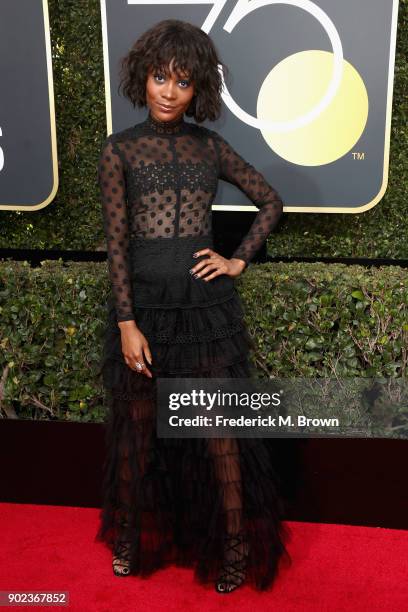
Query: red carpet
335	568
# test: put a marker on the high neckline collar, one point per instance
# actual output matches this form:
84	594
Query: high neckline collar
165	127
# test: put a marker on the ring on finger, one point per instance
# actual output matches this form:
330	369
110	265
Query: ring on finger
139	366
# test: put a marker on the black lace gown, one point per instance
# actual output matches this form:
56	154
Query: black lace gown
180	497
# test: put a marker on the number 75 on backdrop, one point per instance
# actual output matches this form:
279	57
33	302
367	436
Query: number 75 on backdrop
309	100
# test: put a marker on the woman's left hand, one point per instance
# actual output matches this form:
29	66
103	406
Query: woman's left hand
217	265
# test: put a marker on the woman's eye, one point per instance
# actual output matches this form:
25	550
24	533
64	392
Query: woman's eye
184	82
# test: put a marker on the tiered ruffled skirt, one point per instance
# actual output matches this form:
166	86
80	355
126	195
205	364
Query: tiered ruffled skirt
181	496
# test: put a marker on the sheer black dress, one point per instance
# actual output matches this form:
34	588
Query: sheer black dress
180	497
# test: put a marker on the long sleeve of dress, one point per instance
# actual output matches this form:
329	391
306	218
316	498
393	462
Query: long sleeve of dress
236	170
111	181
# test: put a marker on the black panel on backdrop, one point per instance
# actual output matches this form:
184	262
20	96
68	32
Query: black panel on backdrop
283	60
28	164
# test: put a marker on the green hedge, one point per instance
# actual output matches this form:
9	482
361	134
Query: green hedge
319	320
307	320
73	220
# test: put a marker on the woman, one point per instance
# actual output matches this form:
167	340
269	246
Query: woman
174	312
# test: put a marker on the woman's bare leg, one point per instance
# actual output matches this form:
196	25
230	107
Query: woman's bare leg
227	469
140	433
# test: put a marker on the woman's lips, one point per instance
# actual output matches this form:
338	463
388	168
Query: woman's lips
167	109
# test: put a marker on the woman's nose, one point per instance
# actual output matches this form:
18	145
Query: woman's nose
169	91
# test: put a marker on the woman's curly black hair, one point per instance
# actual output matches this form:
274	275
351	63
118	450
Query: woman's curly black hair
193	53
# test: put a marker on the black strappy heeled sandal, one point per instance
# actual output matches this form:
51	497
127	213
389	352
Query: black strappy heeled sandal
234	565
121	555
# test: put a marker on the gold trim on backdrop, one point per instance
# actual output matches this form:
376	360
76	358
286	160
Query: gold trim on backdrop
303	209
53	132
106	71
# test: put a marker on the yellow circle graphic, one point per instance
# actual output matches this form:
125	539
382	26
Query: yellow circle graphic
296	85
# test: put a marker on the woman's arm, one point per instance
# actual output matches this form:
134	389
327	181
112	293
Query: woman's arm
111	181
236	170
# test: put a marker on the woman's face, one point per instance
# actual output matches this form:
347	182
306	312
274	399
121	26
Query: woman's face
168	97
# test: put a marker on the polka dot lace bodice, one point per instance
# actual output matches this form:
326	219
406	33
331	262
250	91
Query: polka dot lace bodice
159	179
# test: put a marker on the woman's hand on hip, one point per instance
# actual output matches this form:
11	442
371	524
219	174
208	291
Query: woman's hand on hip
215	265
135	348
